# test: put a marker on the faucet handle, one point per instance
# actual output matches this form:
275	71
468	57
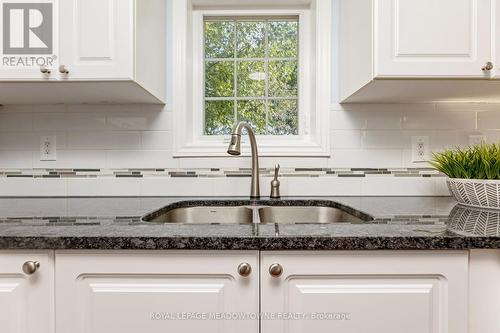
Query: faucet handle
275	183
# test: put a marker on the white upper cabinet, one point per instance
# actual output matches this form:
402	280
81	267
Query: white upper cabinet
26	298
156	292
112	51
96	39
408	51
354	292
432	38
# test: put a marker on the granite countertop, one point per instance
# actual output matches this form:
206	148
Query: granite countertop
115	223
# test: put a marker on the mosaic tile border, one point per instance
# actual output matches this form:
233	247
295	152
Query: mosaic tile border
216	172
134	220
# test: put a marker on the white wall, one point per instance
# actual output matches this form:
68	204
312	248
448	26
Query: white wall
99	136
124	137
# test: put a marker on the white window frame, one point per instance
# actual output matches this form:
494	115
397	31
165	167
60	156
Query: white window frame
314	84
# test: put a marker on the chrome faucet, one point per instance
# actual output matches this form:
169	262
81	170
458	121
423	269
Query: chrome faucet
235	149
275	184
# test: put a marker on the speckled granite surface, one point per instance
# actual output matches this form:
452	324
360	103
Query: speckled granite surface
115	223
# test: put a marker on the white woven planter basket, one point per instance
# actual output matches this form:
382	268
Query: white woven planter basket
476	192
478	222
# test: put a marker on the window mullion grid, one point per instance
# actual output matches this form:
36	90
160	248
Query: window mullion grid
235	60
266	69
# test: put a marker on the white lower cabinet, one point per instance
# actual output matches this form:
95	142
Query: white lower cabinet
358	292
130	292
305	291
484	299
26	299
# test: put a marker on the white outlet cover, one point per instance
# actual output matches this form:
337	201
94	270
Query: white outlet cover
48	146
420	149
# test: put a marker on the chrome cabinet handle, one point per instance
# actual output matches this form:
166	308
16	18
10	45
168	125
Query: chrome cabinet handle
30	267
244	269
63	69
487	67
44	70
275	270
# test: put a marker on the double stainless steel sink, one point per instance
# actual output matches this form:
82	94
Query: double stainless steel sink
261	211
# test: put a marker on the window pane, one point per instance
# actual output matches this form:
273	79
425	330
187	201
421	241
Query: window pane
219	117
219	39
254	113
283	78
219	78
251	78
251	38
283	41
283	117
229	44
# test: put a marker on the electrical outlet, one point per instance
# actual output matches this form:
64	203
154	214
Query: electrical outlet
476	139
48	148
420	148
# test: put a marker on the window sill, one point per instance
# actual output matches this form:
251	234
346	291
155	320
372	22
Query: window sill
299	147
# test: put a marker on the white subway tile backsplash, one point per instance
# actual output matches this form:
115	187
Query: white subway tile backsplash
324	186
385	139
240	186
231	162
488	120
431	120
366	158
345	139
10	122
32	187
103	187
177	187
349	120
404	186
69	121
18	141
492	136
145	159
441	187
146	121
28	140
141	137
16	159
156	140
103	140
71	159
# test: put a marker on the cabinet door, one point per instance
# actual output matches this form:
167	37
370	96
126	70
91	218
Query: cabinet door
96	39
26	301
357	292
429	38
154	292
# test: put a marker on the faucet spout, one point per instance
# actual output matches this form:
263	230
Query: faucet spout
235	149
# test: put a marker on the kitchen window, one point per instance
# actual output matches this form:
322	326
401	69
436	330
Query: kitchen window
268	66
251	74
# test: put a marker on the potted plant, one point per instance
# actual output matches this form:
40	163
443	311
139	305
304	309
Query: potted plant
474	174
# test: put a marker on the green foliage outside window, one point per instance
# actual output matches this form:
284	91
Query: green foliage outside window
251	74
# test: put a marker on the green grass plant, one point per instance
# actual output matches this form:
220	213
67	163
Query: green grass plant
475	162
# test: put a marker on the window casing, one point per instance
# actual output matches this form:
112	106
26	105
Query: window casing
311	137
